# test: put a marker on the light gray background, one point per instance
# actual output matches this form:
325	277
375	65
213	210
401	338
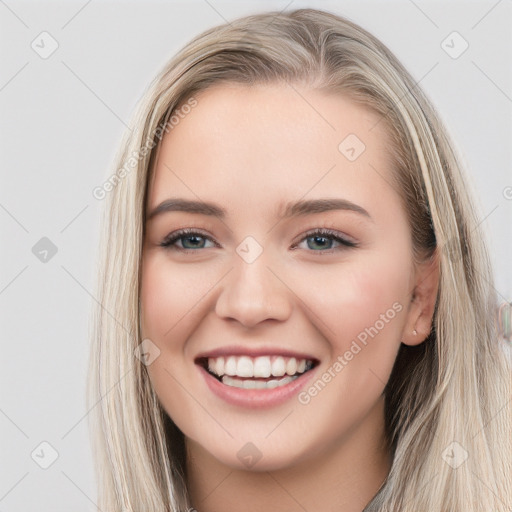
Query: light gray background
62	119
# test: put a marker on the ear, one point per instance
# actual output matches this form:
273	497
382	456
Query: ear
423	301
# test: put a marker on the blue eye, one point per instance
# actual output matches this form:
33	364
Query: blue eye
192	240
321	237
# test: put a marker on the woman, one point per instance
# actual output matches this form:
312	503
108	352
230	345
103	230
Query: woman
236	361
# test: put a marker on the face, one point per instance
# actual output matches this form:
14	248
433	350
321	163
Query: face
259	285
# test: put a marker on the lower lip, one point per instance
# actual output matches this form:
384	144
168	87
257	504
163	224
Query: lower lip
256	398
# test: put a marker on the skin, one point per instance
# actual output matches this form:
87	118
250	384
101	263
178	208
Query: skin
249	150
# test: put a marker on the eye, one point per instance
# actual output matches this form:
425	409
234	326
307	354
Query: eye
191	240
323	238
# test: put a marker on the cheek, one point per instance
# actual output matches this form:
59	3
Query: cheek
170	304
377	296
169	297
364	310
362	301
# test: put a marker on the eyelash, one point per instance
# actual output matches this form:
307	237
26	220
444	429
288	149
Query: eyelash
171	239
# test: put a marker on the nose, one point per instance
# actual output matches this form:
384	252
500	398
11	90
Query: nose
252	293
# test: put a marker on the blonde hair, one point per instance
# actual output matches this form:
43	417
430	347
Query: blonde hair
454	387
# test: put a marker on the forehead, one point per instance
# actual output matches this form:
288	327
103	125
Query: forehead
271	142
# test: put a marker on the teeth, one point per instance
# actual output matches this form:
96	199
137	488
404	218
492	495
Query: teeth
262	366
219	368
257	384
244	367
278	367
291	366
230	367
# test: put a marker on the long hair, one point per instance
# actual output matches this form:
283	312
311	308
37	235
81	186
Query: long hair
447	398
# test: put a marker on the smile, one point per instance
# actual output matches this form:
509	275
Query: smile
256	372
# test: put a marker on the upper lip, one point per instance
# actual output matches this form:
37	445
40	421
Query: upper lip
235	350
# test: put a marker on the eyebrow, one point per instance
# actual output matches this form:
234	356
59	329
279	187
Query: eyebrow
296	209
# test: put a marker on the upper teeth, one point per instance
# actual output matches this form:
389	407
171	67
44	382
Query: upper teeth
262	366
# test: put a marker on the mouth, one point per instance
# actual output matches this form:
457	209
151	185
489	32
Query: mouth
262	372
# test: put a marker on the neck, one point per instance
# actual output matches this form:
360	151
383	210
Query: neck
343	477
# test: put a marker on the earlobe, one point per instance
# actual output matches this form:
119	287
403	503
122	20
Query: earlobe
421	310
